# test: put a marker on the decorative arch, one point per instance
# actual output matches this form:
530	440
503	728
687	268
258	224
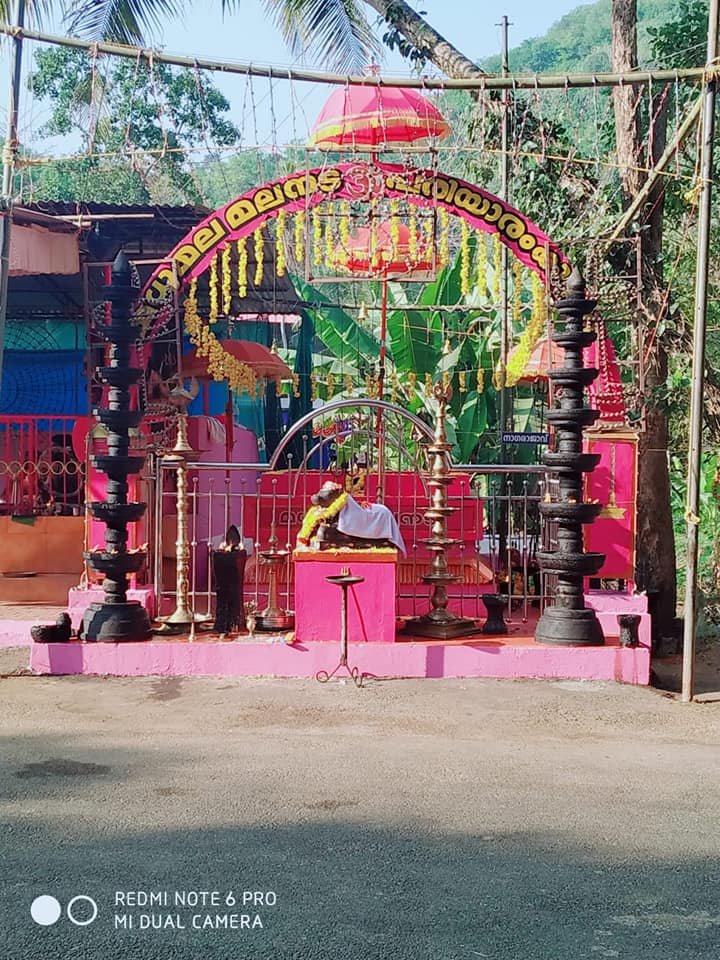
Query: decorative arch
356	181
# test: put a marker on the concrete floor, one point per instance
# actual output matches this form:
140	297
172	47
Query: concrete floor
415	820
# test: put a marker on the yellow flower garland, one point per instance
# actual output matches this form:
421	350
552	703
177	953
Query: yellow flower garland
259	256
497	262
464	258
226	279
317	515
329	235
482	264
317	239
299	224
213	281
528	341
444	252
280	243
242	268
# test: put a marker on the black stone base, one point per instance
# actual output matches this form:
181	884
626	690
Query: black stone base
116	622
495	605
446	629
569	628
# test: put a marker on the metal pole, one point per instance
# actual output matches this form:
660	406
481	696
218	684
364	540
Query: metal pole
696	404
504	170
8	164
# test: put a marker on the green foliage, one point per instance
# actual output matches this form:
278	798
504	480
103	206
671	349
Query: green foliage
121	107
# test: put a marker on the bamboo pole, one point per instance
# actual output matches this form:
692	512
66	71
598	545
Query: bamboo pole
692	514
519	82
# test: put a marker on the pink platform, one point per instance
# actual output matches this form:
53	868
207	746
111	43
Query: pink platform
513	658
371	604
80	598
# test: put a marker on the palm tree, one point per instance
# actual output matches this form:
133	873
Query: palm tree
338	32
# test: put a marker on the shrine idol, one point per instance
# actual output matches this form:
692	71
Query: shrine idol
336	519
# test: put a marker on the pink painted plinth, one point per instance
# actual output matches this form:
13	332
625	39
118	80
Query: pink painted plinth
400	660
371	604
607	605
80	598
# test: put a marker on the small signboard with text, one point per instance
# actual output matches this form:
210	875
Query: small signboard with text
526	438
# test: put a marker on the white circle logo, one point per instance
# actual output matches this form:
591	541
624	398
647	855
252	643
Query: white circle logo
45	910
87	920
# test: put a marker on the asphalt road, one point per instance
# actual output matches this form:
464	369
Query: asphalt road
433	820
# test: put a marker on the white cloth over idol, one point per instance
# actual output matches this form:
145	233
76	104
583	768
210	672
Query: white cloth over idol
373	522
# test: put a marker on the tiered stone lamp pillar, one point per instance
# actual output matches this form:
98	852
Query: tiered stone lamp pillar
440	623
116	619
568	621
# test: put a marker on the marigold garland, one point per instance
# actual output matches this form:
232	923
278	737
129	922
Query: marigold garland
329	235
259	256
481	264
428	385
444	252
317	238
299	224
242	268
413	237
330	386
317	515
480	379
226	279
348	384
497	261
532	333
213	282
464	258
517	290
313	387
280	243
412	378
461	381
296	385
221	365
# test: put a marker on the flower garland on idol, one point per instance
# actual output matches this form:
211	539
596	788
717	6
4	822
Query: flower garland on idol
317	515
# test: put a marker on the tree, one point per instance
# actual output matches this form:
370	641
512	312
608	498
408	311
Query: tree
655	543
136	123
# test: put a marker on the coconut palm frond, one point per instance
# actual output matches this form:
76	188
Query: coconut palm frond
120	21
334	31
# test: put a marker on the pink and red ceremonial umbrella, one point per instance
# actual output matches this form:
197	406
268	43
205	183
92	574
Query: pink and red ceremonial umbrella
358	117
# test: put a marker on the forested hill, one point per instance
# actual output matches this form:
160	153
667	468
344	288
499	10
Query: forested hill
580	41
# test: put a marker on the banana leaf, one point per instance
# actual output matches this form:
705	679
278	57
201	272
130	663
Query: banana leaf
342	335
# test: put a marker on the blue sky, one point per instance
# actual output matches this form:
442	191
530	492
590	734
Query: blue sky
281	114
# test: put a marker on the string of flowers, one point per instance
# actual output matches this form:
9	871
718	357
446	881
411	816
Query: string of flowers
428	385
330	386
221	365
213	281
394	228
480	380
259	256
242	268
464	258
461	381
313	387
344	230
299	224
444	252
497	263
413	237
296	385
481	264
280	243
528	341
317	238
226	280
412	378
329	236
348	384
517	269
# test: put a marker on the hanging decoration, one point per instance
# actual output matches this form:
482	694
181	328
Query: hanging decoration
299	224
226	281
329	238
259	256
480	380
517	291
296	385
444	230
349	386
461	381
280	243
330	386
464	259
520	356
213	291
242	268
497	266
317	238
481	264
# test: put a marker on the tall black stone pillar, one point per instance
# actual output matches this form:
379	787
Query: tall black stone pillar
568	621
116	618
